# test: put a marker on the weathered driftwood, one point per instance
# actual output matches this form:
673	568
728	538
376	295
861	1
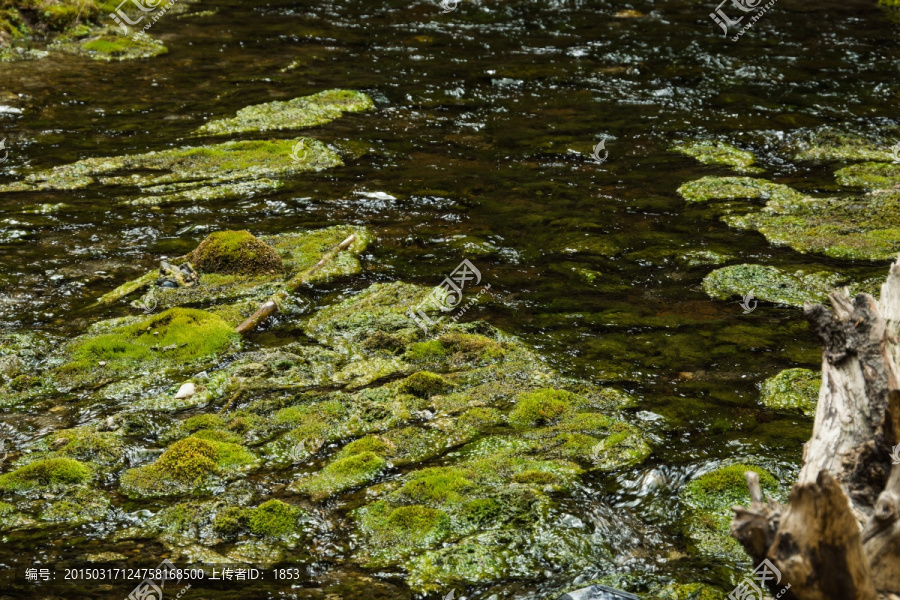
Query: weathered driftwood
838	537
270	306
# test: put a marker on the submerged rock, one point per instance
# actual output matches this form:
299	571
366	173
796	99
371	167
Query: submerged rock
792	389
772	284
711	152
298	113
188	174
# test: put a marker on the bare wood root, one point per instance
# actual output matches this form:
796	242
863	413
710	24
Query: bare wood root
270	306
838	538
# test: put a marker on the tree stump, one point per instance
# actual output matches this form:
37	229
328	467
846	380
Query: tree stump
838	537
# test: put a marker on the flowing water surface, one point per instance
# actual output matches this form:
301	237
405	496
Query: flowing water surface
480	147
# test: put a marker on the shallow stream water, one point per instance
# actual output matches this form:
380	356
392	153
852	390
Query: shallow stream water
480	147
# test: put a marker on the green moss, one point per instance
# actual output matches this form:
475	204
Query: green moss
792	389
235	252
479	417
436	486
186	464
342	474
424	384
112	47
371	443
231	520
81	505
730	188
204	421
427	351
473	345
50	472
88	445
274	519
688	591
407	527
624	447
543	407
294	114
828	144
869	175
772	284
719	153
177	336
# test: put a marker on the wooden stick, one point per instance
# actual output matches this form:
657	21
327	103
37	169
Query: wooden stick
270	306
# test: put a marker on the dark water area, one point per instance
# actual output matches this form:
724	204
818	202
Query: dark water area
480	147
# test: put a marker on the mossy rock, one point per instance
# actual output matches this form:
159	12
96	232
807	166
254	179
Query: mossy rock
870	175
235	252
342	474
109	46
78	506
298	113
772	284
275	519
542	407
101	448
186	465
709	499
830	145
176	337
793	390
189	174
731	188
711	152
687	591
423	384
47	473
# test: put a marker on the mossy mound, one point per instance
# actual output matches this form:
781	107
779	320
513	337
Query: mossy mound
190	174
792	389
423	384
235	252
298	113
830	145
731	188
187	465
103	449
47	473
711	152
275	519
21	19
543	407
772	284
709	499
80	505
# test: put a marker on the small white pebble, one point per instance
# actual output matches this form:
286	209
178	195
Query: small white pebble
102	363
185	391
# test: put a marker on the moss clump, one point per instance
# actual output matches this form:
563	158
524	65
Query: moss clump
543	407
231	520
772	284
235	252
294	114
730	188
792	389
473	345
81	505
50	472
711	152
186	464
274	519
112	47
424	384
430	350
828	144
342	474
177	336
624	447
438	485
